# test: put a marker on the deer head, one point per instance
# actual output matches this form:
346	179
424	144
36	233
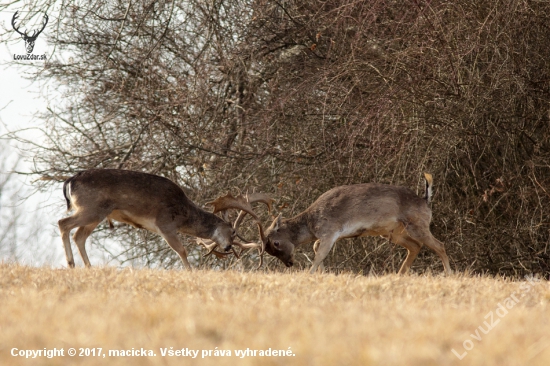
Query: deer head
277	241
29	39
242	202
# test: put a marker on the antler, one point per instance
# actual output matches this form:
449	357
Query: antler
244	204
260	197
247	245
264	242
211	247
267	200
13	24
45	21
253	198
252	246
228	201
35	33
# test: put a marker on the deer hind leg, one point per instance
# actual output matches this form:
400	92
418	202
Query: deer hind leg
425	237
79	220
439	248
80	237
323	248
174	242
65	227
413	248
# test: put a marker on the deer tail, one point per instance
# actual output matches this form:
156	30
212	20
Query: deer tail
67	192
429	184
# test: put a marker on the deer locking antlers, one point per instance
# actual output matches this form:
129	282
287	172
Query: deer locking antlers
242	202
371	209
159	205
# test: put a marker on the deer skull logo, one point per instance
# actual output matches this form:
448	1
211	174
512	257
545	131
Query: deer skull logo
29	39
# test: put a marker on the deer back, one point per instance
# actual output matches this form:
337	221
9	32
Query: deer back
136	198
371	204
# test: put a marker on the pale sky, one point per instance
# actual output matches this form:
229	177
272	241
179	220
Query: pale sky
20	99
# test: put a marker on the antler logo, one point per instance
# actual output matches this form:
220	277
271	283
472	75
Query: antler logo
29	39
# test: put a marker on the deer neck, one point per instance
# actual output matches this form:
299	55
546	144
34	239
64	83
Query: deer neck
201	223
298	226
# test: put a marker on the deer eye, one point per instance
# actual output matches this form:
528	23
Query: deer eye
276	244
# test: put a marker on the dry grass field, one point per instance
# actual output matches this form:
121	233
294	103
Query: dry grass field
324	319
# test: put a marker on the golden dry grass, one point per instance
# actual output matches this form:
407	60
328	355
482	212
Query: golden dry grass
325	319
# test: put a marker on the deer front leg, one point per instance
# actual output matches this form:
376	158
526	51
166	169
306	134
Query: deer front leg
315	248
172	239
321	247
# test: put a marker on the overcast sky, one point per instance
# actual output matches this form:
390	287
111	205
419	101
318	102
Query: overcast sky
19	97
20	100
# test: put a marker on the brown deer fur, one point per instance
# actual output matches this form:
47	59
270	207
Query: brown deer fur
370	209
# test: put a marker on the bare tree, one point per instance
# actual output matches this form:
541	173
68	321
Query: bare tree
298	97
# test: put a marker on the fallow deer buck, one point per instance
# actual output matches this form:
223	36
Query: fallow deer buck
370	209
146	201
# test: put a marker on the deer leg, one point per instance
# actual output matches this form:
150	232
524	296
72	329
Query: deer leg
80	220
315	248
323	248
65	227
425	237
439	248
412	247
80	237
174	242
